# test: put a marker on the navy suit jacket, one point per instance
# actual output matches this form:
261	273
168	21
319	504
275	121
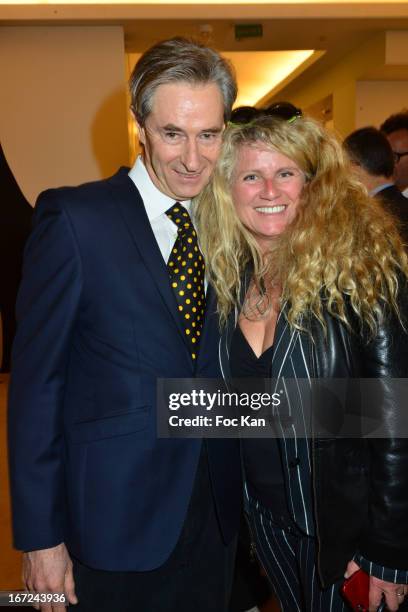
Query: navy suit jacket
98	324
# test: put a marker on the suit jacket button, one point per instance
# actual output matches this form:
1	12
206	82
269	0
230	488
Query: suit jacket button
294	462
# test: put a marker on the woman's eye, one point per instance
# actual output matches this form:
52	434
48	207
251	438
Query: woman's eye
250	177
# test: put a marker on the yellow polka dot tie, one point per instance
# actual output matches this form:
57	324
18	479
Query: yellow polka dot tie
186	271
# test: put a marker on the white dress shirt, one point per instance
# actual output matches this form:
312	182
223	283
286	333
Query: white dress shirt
379	188
156	203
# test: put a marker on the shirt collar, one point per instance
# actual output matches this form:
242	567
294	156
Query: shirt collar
379	188
156	202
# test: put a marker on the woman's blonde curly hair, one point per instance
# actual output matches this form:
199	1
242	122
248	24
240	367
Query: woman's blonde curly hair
343	247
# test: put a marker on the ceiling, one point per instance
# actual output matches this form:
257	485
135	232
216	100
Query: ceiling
278	34
333	28
332	37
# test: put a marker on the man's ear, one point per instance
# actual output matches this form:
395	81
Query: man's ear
141	132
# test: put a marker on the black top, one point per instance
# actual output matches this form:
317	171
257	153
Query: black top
261	456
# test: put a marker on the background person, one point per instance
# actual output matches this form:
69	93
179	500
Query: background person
308	271
372	159
109	514
395	128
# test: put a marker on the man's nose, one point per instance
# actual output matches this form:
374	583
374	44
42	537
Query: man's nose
191	156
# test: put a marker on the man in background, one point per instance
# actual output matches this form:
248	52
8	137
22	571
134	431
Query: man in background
396	130
373	161
113	297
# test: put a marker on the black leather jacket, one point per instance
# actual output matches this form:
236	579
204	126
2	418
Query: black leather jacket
361	485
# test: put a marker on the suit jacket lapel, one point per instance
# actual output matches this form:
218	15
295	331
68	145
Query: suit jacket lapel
225	344
285	338
210	316
133	211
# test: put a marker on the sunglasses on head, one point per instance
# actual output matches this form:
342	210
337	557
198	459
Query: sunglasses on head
280	110
284	110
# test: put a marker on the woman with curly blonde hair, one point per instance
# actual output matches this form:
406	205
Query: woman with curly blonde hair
311	279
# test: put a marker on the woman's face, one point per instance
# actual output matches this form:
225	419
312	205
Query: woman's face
266	191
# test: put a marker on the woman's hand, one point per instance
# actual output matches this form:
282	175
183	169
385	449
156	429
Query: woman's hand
394	593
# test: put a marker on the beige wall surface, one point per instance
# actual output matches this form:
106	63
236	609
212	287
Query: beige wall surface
63	116
376	100
340	82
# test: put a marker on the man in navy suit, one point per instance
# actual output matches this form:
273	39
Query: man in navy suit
106	512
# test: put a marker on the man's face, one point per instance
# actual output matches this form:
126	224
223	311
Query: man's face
182	137
399	144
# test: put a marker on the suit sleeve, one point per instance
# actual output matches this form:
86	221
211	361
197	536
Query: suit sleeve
379	571
385	541
47	308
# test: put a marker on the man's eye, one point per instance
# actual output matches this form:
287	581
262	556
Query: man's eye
171	135
208	136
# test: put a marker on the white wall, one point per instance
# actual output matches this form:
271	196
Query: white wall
63	113
376	100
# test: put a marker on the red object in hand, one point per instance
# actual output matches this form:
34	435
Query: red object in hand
355	591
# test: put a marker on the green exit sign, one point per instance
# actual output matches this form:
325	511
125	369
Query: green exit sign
248	30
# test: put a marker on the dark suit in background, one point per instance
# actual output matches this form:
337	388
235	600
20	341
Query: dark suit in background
15	226
394	201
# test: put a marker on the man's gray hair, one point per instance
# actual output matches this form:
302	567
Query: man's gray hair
177	60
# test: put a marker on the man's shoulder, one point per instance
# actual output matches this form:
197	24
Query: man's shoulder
393	194
89	195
